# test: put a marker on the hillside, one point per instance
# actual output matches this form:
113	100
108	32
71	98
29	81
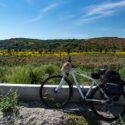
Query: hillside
94	44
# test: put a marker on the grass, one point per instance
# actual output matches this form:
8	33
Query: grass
80	60
34	74
28	73
79	118
122	122
34	70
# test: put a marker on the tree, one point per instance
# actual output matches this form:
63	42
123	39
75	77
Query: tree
68	51
9	50
40	51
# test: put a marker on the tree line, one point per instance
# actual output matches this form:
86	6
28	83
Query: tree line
103	44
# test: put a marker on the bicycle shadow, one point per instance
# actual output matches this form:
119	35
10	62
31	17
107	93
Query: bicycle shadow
82	114
76	113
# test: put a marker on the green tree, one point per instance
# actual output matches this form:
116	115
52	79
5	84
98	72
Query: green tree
9	50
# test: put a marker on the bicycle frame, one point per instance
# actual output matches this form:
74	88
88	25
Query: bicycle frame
84	97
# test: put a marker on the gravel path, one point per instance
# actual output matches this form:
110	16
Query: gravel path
35	113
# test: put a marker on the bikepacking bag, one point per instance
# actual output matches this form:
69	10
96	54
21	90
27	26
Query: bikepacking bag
112	76
113	89
112	82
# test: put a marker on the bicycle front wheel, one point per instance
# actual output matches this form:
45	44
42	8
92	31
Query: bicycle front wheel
54	99
110	110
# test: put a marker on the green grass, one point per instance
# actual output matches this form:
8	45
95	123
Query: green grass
80	118
34	74
122	122
30	74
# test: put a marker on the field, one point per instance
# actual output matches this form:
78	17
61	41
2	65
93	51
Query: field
34	69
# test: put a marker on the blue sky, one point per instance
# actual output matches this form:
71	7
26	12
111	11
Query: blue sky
62	19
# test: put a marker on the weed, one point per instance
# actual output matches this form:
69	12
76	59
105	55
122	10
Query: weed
9	101
122	122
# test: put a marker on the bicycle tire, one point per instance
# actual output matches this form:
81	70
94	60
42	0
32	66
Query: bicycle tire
52	99
100	113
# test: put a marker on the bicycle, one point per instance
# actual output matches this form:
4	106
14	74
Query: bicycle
103	105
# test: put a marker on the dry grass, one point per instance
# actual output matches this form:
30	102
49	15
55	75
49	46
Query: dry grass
82	60
81	118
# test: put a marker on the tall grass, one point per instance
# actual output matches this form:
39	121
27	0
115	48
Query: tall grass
34	74
122	73
19	74
31	74
3	71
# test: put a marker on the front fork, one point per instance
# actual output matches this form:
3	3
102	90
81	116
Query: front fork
61	83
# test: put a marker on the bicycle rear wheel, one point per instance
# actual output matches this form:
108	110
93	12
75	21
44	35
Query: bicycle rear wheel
110	110
54	99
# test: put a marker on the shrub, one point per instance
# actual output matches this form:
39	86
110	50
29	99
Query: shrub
31	74
51	69
122	73
19	74
9	101
37	75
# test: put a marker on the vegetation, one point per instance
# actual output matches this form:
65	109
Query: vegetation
80	118
103	44
122	122
9	101
31	61
35	74
28	73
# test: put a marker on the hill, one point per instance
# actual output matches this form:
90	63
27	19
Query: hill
94	44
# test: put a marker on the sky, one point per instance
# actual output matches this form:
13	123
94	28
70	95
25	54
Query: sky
62	19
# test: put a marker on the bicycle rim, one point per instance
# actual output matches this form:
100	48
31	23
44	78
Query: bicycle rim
109	111
54	99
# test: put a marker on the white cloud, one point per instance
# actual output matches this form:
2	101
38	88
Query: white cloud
50	7
43	12
97	11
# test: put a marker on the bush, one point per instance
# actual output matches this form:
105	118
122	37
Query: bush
122	73
37	75
19	74
51	69
9	101
30	74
